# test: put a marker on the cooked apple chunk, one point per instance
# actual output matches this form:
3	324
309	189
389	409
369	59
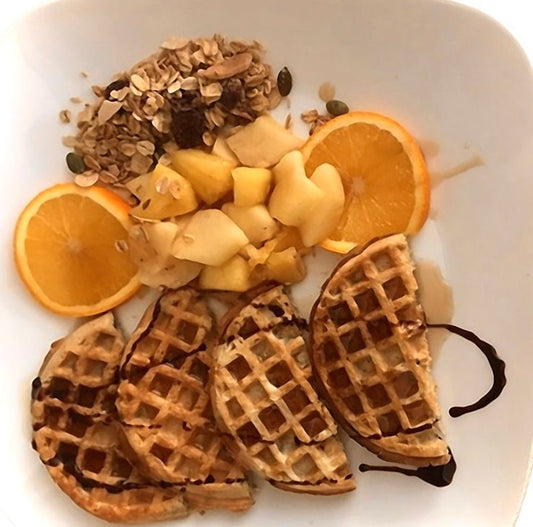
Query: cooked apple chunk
165	194
233	275
286	267
149	247
256	222
263	142
138	185
288	237
174	273
221	149
328	212
210	237
250	185
295	196
209	175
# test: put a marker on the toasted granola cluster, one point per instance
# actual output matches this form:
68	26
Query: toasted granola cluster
181	95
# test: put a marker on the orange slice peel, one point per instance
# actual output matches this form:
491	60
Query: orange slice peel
67	249
384	176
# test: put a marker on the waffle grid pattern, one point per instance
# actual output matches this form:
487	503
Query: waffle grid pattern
370	348
163	398
264	398
81	445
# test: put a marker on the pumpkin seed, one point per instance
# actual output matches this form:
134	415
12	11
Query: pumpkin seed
115	86
335	107
75	163
284	82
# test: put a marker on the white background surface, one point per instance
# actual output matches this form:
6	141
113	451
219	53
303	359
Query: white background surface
513	14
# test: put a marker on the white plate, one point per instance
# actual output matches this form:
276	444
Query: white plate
453	77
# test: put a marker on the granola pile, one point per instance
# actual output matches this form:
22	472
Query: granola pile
181	96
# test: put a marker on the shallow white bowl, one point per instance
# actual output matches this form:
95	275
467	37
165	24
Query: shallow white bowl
455	78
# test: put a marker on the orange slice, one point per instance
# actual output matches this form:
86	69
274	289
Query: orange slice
383	172
67	250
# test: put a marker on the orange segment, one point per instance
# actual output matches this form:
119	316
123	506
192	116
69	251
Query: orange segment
66	253
383	172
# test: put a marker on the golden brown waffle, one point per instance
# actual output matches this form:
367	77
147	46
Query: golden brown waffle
262	396
164	405
370	354
79	440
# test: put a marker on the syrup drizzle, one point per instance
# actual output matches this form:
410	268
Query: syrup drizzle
442	476
497	365
439	476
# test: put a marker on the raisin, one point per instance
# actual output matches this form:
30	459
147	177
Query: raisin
187	127
231	94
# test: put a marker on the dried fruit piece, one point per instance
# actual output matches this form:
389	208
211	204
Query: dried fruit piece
188	127
232	93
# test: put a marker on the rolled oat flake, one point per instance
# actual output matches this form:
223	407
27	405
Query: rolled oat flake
75	163
335	107
284	82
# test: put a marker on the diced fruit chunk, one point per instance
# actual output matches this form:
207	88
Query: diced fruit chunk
262	143
250	185
234	275
323	220
166	193
286	266
210	237
174	273
295	196
149	246
161	236
221	149
138	185
288	237
209	175
257	255
256	222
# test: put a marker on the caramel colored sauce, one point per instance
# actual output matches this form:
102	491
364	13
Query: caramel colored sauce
472	162
436	297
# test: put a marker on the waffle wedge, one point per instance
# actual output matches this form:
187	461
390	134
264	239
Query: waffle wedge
164	404
370	355
77	437
262	395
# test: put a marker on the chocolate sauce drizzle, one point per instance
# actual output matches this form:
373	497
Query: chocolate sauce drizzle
496	364
440	476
